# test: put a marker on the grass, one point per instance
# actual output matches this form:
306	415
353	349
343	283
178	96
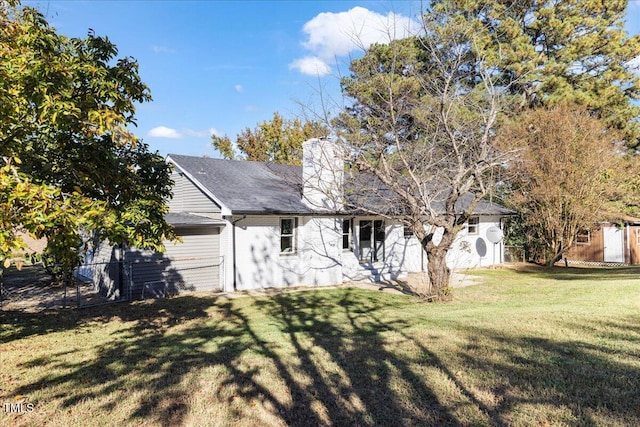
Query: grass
537	347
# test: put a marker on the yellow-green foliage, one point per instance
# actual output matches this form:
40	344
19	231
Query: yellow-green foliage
68	161
278	140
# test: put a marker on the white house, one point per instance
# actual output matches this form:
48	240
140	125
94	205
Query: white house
249	225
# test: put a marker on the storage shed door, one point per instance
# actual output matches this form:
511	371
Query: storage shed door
193	265
613	244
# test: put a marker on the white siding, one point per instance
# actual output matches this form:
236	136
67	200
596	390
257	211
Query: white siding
414	259
465	250
391	266
189	198
321	251
257	252
260	264
319	258
226	251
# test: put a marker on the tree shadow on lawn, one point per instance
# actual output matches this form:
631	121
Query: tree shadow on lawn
149	357
566	382
557	382
334	358
373	385
19	324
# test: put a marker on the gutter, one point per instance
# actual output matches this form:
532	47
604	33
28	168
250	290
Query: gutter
294	213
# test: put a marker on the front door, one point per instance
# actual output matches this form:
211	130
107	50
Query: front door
366	240
371	242
379	236
613	244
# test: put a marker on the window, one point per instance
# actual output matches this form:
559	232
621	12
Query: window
346	233
473	225
408	232
583	237
288	235
637	236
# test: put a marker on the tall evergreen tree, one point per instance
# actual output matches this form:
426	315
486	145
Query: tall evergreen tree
560	51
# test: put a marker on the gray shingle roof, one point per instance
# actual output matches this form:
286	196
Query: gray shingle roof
247	187
368	192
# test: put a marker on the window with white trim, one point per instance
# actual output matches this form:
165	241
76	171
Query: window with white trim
408	232
347	227
288	228
473	225
583	237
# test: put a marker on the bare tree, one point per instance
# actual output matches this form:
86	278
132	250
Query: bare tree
561	180
421	125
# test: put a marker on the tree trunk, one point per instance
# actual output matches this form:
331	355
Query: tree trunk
555	254
553	258
439	274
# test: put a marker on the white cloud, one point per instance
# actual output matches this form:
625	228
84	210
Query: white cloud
164	132
310	65
331	35
162	49
167	132
238	88
201	133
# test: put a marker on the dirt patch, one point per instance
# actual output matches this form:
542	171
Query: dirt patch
418	283
32	289
33	245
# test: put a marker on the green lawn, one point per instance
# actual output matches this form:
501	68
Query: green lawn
539	347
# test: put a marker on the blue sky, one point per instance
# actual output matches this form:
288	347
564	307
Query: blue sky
221	66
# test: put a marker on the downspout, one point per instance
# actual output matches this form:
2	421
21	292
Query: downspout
501	243
121	270
124	275
233	243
